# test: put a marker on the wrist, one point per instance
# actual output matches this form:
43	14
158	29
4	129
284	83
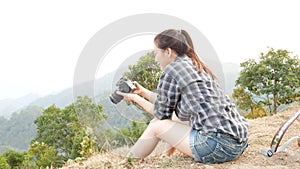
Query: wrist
135	98
143	92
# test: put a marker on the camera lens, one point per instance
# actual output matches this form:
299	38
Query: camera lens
115	98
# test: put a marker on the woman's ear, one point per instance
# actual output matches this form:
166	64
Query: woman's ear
169	51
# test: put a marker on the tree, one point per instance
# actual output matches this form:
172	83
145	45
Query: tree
57	128
41	155
3	163
272	81
64	129
89	113
243	99
76	145
92	119
14	159
88	147
147	73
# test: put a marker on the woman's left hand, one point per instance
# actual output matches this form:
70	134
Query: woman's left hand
127	96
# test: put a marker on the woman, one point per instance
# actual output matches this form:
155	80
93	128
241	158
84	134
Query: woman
213	131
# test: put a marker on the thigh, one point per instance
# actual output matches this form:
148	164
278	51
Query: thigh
176	119
174	133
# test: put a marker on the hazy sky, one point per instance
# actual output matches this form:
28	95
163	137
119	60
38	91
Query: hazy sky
40	41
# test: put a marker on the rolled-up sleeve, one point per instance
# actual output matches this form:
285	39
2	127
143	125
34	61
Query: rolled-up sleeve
168	95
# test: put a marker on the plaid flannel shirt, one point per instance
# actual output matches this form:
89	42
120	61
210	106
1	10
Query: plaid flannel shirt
197	98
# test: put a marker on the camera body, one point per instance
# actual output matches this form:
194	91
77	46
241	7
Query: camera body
123	85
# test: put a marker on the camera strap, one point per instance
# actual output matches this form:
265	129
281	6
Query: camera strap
274	147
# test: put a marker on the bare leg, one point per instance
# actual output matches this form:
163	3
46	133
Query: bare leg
175	118
174	133
169	149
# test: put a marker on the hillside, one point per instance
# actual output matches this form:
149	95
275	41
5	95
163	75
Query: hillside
103	84
9	106
261	133
17	131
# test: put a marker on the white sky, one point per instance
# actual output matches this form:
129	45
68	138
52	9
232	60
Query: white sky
40	41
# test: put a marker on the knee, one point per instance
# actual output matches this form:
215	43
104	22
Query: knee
156	125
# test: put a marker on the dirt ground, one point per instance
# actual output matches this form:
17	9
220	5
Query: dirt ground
261	133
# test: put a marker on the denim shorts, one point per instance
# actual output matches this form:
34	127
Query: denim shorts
215	147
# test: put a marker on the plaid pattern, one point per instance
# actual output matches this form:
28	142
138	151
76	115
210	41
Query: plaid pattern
197	98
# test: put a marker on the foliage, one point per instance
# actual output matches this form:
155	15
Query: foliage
147	73
89	115
273	80
63	128
88	146
76	144
57	128
245	101
243	98
41	155
3	163
132	133
127	135
14	158
18	131
257	112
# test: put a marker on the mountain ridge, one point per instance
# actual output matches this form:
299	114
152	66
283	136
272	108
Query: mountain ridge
14	105
101	85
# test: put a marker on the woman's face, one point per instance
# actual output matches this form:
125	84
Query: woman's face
162	57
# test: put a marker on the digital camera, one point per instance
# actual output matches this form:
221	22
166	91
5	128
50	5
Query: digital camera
123	85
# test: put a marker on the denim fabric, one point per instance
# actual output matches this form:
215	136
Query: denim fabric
215	147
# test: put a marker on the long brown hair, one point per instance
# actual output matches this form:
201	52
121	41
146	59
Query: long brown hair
181	42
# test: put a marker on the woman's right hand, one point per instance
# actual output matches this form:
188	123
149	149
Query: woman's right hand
139	88
145	93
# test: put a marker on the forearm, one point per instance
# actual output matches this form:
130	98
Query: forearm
146	105
149	95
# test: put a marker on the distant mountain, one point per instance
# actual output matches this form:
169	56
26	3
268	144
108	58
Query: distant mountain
107	84
61	99
225	72
65	97
231	73
18	131
8	106
103	84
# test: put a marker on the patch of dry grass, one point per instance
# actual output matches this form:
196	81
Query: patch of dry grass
261	133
